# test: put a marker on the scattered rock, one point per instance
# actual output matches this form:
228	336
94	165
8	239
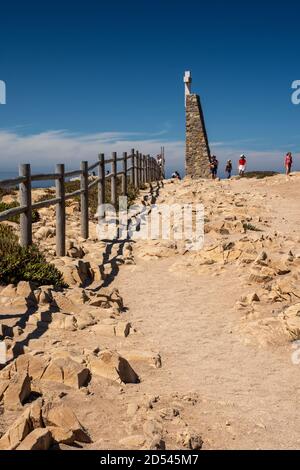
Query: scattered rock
191	440
39	439
62	416
112	366
132	442
66	371
17	392
61	435
27	422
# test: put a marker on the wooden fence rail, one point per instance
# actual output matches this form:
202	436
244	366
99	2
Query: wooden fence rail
136	168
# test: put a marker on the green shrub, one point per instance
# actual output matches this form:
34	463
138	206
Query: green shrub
260	174
16	218
24	264
132	193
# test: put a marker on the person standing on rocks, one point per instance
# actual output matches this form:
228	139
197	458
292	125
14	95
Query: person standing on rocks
214	167
228	168
288	163
242	165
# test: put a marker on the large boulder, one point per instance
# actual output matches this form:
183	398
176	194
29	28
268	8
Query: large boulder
112	366
105	298
17	432
150	358
39	439
262	275
27	422
66	371
43	295
59	321
17	392
61	435
21	296
34	366
61	416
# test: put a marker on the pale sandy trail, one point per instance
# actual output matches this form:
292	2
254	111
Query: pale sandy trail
192	322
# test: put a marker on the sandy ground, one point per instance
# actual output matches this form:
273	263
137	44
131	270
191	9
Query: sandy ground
248	395
215	382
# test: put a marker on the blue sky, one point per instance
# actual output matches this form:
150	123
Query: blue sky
86	77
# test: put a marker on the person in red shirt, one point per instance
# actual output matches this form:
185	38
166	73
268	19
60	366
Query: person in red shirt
242	165
288	163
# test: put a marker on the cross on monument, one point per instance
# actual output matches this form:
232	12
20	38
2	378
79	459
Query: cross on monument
187	85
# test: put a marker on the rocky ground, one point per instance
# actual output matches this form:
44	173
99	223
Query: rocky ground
156	346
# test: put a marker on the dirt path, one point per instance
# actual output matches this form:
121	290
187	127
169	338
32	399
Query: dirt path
227	374
248	395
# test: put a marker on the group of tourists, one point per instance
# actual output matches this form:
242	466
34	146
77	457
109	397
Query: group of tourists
242	165
214	165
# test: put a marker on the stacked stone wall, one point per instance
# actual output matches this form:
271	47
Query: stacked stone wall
197	147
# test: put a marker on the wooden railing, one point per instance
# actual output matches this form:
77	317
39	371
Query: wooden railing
141	169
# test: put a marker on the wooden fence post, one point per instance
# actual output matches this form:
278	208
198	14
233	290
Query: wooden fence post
113	181
144	169
101	186
132	167
140	169
60	211
148	168
136	180
25	200
84	197
124	176
152	169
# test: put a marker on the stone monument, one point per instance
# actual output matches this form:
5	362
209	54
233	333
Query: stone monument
197	156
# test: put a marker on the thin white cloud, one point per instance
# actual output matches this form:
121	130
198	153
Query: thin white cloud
45	149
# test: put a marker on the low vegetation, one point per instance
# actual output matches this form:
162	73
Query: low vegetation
260	174
16	218
24	264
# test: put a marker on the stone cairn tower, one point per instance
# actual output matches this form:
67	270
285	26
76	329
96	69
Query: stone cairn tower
197	147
